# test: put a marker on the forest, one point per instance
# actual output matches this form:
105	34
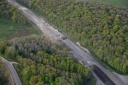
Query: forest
11	13
3	74
99	27
41	62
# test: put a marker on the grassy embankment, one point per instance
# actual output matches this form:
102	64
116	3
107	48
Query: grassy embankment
118	3
9	29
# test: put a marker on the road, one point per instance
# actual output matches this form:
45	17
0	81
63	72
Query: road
12	70
54	34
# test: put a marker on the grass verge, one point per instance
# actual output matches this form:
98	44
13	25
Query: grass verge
9	30
118	3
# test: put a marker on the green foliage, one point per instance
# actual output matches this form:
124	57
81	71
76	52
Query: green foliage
3	45
9	12
9	30
42	62
102	27
118	3
13	23
3	74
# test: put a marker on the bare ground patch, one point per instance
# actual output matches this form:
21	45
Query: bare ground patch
20	32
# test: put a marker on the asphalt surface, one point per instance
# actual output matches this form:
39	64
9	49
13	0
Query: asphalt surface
81	55
12	70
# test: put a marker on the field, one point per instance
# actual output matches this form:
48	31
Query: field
9	30
118	3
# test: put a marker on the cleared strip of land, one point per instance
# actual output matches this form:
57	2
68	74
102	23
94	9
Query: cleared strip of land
118	3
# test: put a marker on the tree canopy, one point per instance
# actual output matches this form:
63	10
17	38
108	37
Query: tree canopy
99	26
11	13
42	62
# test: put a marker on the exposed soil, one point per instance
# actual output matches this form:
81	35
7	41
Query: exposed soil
21	32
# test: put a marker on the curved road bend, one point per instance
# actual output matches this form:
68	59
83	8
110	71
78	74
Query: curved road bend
12	70
53	33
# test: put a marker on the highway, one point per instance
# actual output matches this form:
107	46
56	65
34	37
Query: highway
80	55
12	71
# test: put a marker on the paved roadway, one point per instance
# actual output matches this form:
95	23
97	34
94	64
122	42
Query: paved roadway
78	52
12	70
99	82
